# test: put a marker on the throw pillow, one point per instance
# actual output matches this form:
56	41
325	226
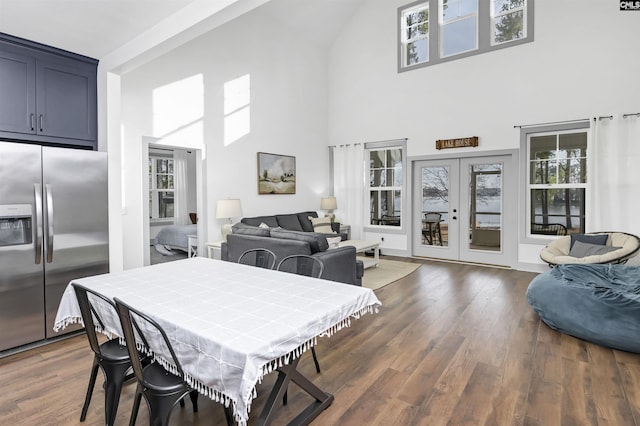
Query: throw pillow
333	242
322	225
581	249
263	226
244	229
600	239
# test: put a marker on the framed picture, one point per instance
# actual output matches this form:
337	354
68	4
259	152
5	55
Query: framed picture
276	174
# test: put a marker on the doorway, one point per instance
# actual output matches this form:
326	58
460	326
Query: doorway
465	209
172	177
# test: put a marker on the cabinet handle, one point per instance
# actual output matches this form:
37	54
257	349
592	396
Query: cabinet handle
31	123
40	122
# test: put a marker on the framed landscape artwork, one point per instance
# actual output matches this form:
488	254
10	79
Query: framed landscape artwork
276	174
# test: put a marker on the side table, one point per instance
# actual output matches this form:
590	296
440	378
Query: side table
214	250
192	245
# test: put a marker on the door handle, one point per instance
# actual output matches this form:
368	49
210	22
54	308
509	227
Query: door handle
31	122
37	198
49	234
40	119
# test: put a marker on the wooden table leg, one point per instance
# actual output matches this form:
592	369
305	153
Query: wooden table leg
286	374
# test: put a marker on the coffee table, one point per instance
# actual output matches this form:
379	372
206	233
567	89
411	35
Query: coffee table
361	246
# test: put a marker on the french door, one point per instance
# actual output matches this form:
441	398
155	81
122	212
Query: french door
465	209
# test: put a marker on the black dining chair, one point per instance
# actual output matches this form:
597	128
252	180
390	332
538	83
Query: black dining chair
260	257
431	228
309	266
161	389
110	356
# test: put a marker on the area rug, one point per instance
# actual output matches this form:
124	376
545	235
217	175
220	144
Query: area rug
387	272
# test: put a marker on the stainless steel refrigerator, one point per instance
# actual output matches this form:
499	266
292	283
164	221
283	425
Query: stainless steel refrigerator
53	228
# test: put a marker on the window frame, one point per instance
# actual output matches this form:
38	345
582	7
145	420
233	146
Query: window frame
525	200
403	28
369	147
484	27
154	190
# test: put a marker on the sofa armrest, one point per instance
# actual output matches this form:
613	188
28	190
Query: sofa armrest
340	265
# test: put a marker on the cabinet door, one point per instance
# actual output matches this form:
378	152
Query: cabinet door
17	91
66	99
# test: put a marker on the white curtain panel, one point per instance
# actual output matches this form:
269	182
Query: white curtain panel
615	171
349	179
180	209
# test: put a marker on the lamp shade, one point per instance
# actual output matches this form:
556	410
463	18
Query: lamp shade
228	208
328	203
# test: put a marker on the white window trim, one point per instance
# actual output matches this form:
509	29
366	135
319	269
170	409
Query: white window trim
403	32
494	16
153	189
376	146
442	25
525	197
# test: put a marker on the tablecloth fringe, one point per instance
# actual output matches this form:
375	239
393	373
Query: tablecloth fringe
67	321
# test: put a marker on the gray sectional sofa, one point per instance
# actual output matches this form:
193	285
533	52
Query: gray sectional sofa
340	263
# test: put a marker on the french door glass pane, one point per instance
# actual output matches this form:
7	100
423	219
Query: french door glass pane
485	206
435	199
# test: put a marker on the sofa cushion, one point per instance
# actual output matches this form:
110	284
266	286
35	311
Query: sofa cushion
317	242
256	221
303	217
289	221
244	229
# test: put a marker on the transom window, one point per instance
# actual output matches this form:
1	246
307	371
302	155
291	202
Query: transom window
458	26
385	186
434	31
557	182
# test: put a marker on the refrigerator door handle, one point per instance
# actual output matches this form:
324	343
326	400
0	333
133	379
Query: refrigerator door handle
37	193
49	234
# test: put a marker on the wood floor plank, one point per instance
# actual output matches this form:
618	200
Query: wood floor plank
452	344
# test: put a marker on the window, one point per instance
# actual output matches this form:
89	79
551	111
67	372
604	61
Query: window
435	31
385	186
415	39
557	181
161	188
507	20
458	26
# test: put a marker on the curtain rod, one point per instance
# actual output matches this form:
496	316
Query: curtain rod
551	122
637	114
345	144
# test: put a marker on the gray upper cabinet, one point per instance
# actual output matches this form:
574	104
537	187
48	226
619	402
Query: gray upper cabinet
47	96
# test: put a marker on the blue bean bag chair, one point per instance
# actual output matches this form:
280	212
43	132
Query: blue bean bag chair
597	303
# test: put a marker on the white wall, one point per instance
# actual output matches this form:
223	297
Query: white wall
583	63
288	116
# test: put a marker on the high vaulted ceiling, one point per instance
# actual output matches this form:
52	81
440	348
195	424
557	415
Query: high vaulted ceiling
96	28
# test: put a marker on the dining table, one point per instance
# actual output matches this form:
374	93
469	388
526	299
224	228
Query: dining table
231	324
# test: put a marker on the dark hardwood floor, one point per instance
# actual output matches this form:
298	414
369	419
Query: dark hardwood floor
452	345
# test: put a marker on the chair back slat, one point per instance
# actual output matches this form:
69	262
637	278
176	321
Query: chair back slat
260	257
141	330
302	264
87	301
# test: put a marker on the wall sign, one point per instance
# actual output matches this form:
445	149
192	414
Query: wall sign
457	143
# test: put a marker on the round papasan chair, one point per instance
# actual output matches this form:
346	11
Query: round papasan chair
592	248
597	303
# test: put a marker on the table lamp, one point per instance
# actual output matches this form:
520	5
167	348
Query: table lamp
329	204
226	209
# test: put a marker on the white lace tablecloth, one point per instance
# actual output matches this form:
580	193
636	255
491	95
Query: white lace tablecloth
229	324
